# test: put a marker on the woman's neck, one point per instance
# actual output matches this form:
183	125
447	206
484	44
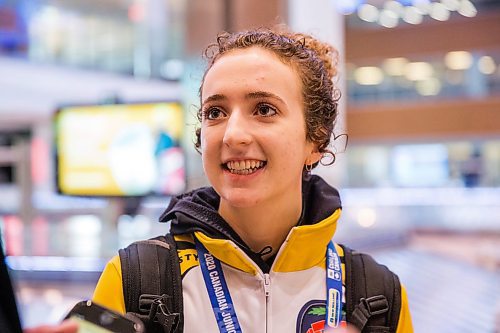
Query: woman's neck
263	225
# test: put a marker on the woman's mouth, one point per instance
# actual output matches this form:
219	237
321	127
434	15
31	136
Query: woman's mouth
244	167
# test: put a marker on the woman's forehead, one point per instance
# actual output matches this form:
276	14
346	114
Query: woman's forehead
253	67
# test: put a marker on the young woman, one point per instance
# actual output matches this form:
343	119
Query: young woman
253	247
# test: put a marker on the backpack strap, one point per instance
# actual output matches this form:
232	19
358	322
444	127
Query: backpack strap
152	285
373	294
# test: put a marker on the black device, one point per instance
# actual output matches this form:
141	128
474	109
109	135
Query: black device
93	318
9	318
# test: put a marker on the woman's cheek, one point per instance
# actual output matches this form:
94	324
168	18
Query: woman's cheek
205	140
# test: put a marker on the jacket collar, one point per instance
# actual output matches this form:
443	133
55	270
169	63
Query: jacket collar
304	248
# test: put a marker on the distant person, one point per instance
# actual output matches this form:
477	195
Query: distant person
472	169
254	249
9	319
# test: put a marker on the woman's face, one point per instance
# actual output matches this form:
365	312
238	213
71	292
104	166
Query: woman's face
253	136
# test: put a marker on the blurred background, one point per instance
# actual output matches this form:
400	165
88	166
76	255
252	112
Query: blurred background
97	112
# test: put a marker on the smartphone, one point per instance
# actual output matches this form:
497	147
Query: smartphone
93	318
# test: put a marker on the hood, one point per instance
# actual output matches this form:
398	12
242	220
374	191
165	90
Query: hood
197	211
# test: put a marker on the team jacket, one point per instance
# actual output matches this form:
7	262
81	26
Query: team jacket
285	294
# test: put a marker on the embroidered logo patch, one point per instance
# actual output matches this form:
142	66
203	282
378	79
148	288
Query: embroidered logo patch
188	258
311	318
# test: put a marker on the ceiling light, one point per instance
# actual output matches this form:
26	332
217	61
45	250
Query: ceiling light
416	71
388	18
451	5
368	76
423	6
412	15
366	217
467	9
395	66
458	60
428	87
394	6
368	13
486	65
439	12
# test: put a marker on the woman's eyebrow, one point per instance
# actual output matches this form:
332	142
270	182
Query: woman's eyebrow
214	98
250	95
263	94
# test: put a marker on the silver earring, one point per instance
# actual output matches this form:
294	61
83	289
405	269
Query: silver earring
309	167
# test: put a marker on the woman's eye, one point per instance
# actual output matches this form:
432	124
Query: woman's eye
213	113
265	110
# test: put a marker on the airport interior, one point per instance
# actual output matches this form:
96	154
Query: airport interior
417	143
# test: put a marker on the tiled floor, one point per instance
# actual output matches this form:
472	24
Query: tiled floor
446	295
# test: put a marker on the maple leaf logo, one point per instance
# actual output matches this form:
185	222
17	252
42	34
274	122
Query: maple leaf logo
317	311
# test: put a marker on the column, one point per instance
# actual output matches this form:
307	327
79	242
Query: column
320	19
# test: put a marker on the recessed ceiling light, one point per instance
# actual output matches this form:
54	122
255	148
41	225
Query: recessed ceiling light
416	71
368	13
412	15
451	5
368	76
458	60
439	12
486	65
388	18
467	9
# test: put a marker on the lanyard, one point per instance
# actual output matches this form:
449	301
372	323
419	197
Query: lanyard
333	289
216	285
222	304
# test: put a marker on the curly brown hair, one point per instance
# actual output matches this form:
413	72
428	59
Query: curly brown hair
316	64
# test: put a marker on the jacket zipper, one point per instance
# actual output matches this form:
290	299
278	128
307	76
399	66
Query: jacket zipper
267	286
267	293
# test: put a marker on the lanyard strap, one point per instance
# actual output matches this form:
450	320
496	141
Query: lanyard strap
222	304
216	285
333	289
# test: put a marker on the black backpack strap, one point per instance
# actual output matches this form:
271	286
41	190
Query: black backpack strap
152	285
373	294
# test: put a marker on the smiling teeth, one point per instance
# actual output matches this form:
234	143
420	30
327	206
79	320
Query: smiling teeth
244	167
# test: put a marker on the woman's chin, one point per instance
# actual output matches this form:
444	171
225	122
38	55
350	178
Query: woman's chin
239	198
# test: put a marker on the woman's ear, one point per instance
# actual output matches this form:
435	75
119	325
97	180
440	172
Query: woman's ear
313	158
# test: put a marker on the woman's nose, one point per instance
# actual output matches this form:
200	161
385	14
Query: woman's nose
237	131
